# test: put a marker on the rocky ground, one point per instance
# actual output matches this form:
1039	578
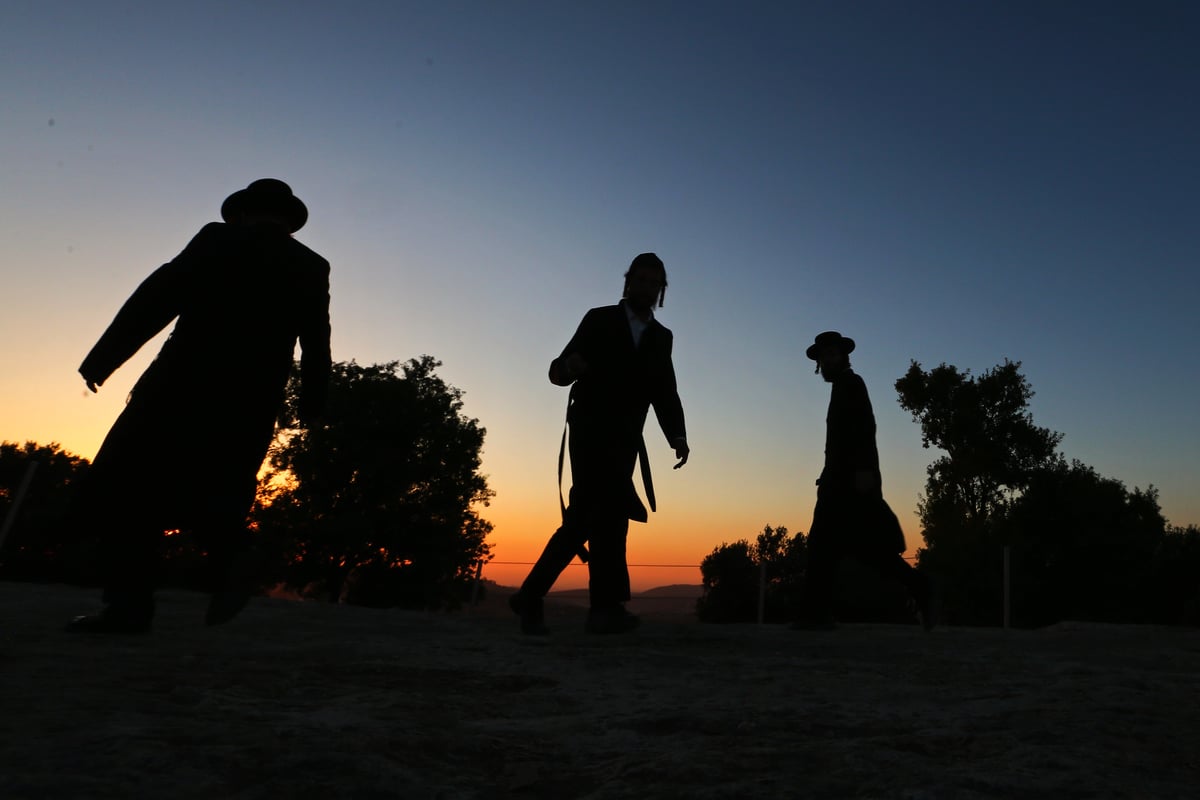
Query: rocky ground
314	700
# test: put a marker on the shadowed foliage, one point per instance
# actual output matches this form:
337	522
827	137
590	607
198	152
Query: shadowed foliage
1173	590
733	574
992	448
991	451
376	505
41	544
1082	546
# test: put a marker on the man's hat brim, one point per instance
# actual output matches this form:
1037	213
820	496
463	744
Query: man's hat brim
268	195
829	339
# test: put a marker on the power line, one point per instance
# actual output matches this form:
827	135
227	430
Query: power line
578	564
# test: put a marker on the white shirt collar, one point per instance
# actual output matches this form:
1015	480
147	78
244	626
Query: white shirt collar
637	325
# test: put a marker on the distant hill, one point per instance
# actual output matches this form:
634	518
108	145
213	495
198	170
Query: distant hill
676	601
672	591
675	589
688	590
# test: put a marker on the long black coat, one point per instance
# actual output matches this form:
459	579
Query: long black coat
610	402
187	448
861	520
849	433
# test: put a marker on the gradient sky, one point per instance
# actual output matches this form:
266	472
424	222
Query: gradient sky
957	182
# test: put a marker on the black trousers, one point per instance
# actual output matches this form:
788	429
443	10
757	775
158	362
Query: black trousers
165	464
132	535
602	500
849	526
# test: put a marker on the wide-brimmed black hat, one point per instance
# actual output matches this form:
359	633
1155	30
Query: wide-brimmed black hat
266	194
828	339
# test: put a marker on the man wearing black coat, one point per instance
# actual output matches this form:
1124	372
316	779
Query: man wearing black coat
186	450
618	364
851	517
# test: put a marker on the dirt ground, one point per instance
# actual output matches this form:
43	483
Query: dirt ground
313	700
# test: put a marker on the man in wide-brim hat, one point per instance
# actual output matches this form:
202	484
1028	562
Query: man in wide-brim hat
266	197
851	518
618	365
186	450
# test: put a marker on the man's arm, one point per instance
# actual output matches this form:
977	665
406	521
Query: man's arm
865	452
572	363
682	451
668	408
564	370
315	357
153	305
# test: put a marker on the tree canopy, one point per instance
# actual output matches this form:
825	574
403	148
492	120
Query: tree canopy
985	428
1082	546
40	544
733	576
773	566
378	503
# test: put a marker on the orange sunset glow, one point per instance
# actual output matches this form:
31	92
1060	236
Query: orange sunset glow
475	194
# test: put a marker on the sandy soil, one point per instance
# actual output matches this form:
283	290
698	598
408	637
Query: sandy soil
319	701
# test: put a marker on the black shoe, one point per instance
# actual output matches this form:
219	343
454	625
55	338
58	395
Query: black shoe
611	620
531	612
110	621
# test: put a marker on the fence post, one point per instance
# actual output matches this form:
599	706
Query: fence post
1007	589
475	585
762	591
11	518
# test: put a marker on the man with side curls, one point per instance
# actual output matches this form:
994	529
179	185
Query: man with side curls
617	364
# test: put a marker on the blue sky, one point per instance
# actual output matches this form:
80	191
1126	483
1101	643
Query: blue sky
957	182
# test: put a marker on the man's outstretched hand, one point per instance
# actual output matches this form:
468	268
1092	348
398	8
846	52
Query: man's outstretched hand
681	452
92	382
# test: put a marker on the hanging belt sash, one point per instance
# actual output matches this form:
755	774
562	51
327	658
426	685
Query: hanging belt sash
647	482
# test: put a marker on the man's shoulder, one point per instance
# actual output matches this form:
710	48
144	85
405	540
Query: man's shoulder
849	379
224	232
304	253
213	232
617	311
601	310
602	313
850	384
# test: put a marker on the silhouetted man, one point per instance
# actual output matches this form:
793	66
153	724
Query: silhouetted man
185	452
851	517
618	364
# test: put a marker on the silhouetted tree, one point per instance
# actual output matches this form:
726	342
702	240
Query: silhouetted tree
732	576
41	544
730	580
1082	547
1172	591
986	430
992	450
377	505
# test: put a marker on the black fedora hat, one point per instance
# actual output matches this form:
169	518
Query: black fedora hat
266	194
829	339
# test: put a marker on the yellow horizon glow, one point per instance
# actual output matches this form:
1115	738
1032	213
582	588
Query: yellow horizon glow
666	550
